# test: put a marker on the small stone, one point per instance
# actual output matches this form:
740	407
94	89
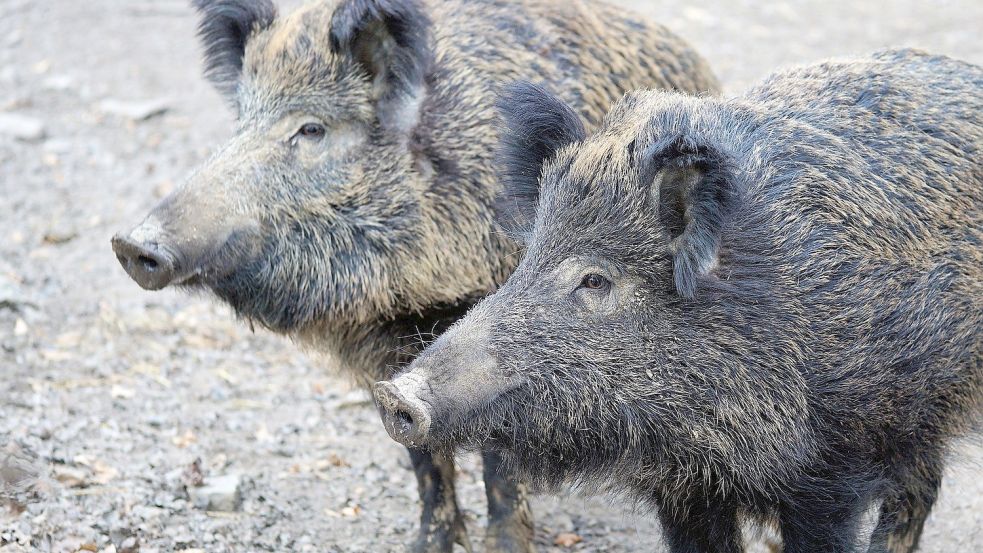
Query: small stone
129	545
14	38
58	146
121	392
57	82
218	493
137	110
41	67
21	127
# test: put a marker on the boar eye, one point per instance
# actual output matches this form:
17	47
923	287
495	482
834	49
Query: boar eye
311	130
594	281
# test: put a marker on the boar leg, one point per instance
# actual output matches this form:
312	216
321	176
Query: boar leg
903	514
510	525
441	524
701	526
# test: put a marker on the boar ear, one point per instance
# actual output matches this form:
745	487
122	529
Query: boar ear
390	39
224	29
535	125
692	187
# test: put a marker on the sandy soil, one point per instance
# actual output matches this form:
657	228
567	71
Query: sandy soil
111	394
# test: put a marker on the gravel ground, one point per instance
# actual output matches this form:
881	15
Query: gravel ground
117	401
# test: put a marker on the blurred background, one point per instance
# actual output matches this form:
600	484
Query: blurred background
116	401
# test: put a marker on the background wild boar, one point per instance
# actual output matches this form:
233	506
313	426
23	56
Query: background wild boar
770	306
353	207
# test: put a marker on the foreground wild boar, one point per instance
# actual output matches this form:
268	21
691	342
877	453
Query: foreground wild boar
353	207
770	306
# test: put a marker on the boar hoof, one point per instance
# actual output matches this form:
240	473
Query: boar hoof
512	535
441	539
508	540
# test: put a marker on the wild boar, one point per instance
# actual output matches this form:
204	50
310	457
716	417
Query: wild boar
767	307
352	209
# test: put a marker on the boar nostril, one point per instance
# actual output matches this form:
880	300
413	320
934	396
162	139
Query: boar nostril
149	264
404	418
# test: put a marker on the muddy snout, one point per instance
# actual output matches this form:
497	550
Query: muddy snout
406	417
144	258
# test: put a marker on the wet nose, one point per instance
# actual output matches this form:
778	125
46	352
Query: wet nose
406	419
147	263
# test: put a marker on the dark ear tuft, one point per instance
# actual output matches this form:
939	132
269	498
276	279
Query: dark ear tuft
536	124
224	29
391	40
693	188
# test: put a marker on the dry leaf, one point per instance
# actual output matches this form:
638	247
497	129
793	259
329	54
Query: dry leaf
337	461
69	340
103	473
224	375
59	236
70	476
184	440
55	355
152	371
197	341
73	477
567	539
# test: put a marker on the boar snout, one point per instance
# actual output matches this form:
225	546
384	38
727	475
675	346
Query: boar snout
145	258
405	416
458	375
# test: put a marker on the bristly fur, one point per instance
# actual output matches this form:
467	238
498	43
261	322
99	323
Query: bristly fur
820	363
224	29
535	125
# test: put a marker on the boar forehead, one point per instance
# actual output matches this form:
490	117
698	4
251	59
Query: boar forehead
593	200
290	67
593	206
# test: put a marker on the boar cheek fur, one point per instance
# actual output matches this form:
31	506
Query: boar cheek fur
829	354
